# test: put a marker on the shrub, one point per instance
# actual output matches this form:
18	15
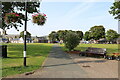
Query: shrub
71	40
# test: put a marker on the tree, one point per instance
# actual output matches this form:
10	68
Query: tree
19	8
80	34
62	34
22	34
53	36
71	40
87	36
115	10
97	32
111	35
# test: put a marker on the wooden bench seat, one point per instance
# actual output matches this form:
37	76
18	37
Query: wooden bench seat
94	52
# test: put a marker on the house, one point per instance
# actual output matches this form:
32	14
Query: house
17	40
42	39
102	41
20	40
11	36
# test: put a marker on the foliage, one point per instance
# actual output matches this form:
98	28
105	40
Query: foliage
115	10
22	34
36	54
19	8
71	40
97	32
53	36
39	18
61	34
80	34
111	35
87	36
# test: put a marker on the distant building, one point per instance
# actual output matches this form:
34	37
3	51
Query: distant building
12	36
17	40
20	40
42	39
102	41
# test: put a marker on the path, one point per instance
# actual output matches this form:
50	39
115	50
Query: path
58	65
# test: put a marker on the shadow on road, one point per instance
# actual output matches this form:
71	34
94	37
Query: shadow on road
95	61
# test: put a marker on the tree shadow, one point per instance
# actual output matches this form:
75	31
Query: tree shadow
79	62
14	57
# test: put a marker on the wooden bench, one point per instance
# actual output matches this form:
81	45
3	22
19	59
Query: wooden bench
94	52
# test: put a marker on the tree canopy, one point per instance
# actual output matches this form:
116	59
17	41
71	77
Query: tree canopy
87	36
115	10
61	35
111	35
97	32
80	34
19	8
53	36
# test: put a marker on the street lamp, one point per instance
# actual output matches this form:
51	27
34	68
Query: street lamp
25	33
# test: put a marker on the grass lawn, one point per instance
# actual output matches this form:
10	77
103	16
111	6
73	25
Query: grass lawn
111	48
36	54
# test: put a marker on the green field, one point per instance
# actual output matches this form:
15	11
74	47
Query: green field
36	54
111	48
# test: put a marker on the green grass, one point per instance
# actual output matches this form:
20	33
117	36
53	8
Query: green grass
36	54
111	48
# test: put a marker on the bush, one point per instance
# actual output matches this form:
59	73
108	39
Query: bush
71	40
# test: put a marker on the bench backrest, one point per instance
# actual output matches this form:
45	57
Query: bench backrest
97	50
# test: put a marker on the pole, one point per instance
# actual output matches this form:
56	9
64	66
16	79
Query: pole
25	33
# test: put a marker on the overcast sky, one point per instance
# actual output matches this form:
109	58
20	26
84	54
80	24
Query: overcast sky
78	15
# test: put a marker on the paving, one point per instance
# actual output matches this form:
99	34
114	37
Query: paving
58	65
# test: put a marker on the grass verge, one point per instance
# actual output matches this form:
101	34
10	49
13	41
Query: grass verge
36	54
111	48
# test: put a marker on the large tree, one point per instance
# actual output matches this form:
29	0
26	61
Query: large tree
80	34
111	35
115	10
87	36
19	8
62	34
97	32
53	36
